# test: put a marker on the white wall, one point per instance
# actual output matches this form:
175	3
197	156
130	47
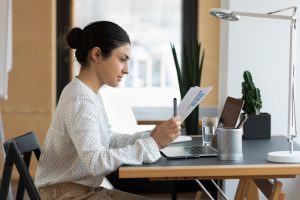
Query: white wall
262	47
5	45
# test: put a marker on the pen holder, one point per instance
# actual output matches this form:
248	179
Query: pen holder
230	143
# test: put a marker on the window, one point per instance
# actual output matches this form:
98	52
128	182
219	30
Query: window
151	25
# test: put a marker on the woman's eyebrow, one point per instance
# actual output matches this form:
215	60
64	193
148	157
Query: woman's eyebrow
127	57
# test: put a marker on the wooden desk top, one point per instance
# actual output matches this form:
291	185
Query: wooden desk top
254	164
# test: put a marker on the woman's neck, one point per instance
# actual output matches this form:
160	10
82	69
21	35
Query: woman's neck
90	79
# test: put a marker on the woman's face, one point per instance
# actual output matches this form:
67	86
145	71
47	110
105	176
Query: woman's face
111	70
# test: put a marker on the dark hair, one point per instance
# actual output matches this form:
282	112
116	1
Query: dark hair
103	34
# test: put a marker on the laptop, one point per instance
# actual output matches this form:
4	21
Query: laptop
229	118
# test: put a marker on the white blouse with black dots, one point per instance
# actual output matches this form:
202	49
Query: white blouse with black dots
80	147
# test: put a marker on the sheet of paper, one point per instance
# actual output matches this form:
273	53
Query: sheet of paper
192	98
182	138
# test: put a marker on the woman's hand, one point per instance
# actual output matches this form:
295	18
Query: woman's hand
166	132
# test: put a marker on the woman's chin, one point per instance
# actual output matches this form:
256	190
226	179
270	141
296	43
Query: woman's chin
114	84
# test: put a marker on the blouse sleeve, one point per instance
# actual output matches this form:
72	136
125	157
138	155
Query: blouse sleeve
91	141
121	140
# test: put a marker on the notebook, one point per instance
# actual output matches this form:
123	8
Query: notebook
229	118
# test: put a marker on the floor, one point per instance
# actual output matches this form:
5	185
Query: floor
180	196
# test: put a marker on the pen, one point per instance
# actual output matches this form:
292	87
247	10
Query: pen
242	121
175	107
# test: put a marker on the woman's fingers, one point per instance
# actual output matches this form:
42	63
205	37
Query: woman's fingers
165	133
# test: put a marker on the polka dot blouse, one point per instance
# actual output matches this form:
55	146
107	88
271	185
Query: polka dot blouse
80	147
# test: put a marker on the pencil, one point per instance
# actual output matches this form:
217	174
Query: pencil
242	121
174	107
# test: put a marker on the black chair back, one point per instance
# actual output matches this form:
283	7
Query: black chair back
18	152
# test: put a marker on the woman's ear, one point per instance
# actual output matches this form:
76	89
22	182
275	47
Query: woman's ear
96	54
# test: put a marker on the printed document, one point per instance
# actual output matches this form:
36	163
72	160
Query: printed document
192	98
182	138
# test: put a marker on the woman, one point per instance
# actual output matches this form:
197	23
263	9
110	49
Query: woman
80	149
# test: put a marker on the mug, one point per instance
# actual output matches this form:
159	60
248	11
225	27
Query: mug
230	143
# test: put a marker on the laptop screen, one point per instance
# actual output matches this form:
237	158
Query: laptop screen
230	113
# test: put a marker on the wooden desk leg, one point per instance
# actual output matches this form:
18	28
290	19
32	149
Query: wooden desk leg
277	193
246	190
271	190
241	189
252	192
282	196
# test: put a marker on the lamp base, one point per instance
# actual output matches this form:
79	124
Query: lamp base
284	156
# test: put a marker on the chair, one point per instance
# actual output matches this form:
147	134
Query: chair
18	151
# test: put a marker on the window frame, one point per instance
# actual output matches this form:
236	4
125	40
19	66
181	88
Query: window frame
64	19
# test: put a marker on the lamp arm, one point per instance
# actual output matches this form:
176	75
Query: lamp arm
292	129
277	11
261	15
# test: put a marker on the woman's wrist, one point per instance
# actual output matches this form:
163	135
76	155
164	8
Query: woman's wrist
157	143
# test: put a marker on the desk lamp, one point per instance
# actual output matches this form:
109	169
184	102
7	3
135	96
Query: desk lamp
290	156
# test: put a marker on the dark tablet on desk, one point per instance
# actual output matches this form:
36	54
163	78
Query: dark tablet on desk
231	112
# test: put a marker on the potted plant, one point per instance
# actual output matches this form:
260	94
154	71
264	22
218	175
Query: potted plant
189	75
258	125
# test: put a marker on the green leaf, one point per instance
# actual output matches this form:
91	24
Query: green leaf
190	73
201	67
179	77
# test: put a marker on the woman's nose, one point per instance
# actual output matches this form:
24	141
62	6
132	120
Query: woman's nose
125	69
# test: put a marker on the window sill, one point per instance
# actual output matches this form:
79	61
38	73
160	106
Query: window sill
156	115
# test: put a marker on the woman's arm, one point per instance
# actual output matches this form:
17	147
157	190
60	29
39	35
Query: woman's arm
90	135
162	134
118	140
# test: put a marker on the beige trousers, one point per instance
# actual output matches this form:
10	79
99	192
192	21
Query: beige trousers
64	191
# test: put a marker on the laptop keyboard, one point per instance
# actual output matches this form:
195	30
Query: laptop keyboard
200	149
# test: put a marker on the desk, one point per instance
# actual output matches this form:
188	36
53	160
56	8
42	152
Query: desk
254	166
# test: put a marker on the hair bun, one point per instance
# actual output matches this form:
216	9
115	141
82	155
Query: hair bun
73	37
